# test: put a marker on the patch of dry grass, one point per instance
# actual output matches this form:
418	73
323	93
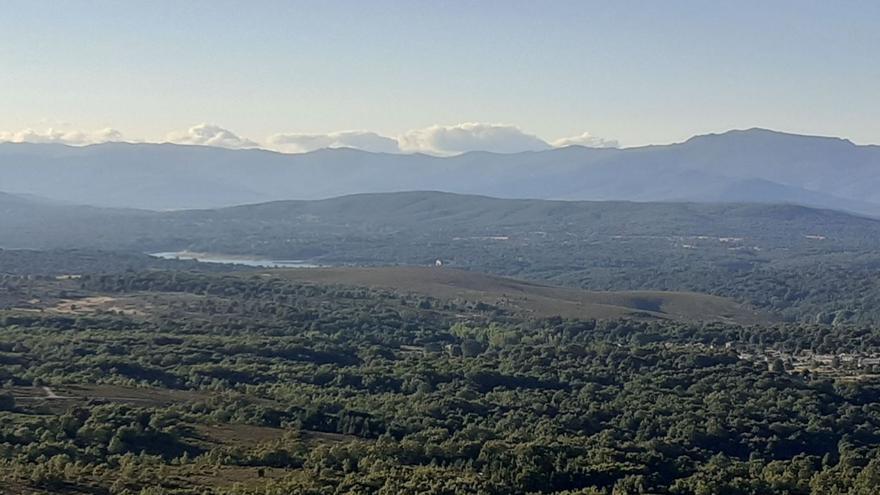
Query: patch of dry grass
532	298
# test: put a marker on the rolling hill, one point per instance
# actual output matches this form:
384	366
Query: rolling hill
533	299
310	229
805	263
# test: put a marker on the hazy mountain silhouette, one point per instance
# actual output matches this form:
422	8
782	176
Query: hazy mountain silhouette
753	165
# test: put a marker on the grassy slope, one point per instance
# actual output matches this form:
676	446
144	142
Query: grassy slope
532	298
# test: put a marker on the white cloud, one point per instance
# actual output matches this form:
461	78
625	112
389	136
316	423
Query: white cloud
362	140
53	135
470	136
211	135
443	140
585	139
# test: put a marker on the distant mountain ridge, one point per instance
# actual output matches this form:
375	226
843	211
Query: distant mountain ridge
754	165
282	228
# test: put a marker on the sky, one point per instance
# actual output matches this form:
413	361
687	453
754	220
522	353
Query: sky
435	76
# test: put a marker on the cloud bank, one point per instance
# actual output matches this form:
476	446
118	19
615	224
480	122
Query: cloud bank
62	136
585	139
440	140
470	136
211	135
363	140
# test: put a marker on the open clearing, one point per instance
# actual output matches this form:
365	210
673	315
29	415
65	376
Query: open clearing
92	304
533	298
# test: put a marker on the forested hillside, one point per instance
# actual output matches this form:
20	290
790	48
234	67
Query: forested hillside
174	382
803	264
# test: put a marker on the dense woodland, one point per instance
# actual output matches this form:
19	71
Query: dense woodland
60	262
251	384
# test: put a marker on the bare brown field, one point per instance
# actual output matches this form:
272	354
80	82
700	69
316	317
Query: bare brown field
224	476
238	434
109	393
532	298
136	304
93	304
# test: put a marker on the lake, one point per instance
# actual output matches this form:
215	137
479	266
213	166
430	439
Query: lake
234	260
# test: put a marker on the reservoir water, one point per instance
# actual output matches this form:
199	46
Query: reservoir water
235	260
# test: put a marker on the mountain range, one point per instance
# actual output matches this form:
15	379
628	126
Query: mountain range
754	165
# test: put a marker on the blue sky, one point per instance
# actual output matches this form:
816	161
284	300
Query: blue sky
636	72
